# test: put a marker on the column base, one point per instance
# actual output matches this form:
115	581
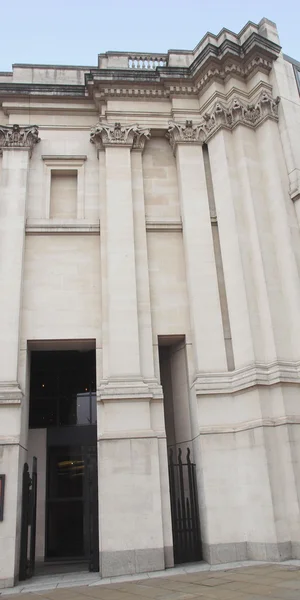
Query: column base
7	583
130	562
234	552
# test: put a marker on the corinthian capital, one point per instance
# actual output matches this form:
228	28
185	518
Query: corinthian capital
19	137
188	132
224	116
131	136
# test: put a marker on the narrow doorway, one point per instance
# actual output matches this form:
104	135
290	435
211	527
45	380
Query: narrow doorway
187	545
63	437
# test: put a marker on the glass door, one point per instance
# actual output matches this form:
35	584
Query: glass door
65	503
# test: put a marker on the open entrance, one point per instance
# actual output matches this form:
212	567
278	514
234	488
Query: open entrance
182	469
63	438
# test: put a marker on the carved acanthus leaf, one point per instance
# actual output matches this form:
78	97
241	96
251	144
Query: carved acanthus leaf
139	140
19	137
133	136
186	132
225	116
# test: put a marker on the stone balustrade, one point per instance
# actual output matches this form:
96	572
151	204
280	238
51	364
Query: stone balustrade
147	61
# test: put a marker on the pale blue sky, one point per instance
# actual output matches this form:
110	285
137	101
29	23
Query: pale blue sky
75	31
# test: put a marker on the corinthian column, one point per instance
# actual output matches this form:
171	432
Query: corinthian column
128	441
16	146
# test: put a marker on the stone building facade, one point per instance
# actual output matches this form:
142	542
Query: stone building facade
149	218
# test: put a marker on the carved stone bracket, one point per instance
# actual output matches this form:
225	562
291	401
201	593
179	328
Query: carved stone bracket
225	116
132	136
16	137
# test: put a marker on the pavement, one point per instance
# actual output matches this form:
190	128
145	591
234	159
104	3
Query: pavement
245	581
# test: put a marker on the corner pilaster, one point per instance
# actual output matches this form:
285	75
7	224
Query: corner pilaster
16	146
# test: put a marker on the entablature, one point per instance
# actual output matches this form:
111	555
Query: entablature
129	75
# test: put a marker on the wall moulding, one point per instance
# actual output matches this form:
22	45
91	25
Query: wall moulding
248	425
10	393
252	375
165	225
59	226
128	389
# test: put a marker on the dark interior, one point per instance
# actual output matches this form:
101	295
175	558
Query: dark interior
63	400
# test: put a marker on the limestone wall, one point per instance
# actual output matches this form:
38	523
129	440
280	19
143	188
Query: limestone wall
167	237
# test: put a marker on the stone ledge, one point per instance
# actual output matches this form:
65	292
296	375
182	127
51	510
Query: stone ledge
248	425
164	225
132	435
63	157
255	374
129	389
10	440
48	226
10	393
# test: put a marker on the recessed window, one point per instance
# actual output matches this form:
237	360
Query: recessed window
64	186
63	194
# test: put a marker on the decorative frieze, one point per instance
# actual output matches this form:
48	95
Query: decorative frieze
132	136
19	137
225	116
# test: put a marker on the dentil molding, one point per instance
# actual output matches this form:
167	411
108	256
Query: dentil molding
15	137
104	135
224	115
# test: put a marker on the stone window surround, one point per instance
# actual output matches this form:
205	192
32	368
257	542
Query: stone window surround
62	163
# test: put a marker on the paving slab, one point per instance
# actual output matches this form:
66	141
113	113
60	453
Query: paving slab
241	581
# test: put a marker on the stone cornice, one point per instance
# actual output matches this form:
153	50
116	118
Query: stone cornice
224	115
104	135
256	374
216	59
132	435
249	425
175	83
18	138
151	75
129	389
10	393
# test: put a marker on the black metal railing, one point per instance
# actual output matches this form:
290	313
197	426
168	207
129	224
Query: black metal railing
28	522
184	509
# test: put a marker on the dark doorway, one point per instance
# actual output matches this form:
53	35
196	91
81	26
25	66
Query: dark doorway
63	401
182	469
